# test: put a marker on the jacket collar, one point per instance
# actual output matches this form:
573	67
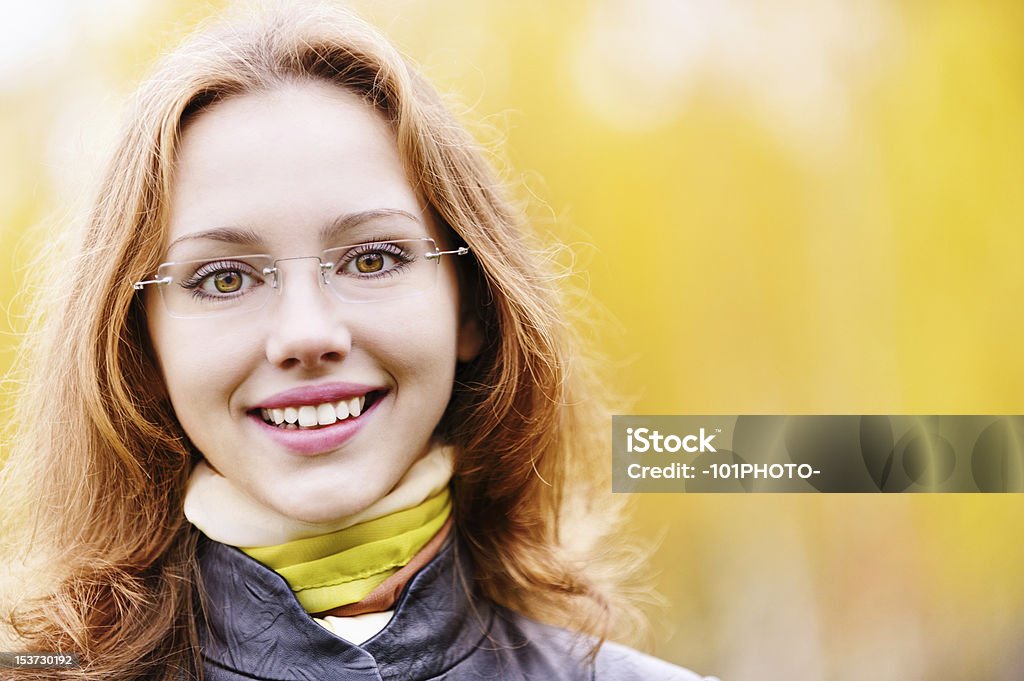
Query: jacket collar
255	626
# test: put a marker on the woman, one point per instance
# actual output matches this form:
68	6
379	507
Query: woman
311	407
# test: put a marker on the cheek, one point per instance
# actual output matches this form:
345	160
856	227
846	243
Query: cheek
419	344
197	372
421	348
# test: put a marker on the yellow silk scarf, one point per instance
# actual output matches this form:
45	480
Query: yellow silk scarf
342	567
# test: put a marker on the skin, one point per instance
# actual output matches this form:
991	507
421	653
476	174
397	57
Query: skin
285	163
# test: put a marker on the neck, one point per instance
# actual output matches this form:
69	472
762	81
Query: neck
224	512
356	563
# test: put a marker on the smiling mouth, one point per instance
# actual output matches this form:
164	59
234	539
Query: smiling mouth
320	415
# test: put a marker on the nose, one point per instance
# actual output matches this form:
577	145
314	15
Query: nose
306	324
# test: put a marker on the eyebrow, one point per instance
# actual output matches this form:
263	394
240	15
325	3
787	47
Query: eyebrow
337	227
328	233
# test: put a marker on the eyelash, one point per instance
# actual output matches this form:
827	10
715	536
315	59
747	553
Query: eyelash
211	269
392	250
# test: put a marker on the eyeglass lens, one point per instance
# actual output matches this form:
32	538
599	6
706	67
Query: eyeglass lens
368	272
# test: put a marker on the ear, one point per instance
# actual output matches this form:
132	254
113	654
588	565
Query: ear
471	339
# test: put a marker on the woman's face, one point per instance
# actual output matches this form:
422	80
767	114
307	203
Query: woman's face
274	170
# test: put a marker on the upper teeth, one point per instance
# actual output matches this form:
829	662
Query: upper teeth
316	415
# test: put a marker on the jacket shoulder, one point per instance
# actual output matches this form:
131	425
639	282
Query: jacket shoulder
616	662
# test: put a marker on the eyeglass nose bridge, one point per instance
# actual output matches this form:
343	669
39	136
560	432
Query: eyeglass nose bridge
277	276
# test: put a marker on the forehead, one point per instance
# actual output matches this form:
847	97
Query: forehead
285	164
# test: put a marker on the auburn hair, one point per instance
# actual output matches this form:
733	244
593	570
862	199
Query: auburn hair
97	465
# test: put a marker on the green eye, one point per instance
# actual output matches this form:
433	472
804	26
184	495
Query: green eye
227	282
368	263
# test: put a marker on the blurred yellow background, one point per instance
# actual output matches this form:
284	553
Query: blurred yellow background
778	206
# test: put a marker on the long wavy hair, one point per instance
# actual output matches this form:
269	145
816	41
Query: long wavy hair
93	484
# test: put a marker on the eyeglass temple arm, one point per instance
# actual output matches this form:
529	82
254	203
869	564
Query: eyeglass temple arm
461	250
139	285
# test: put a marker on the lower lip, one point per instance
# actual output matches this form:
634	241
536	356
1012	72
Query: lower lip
318	440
